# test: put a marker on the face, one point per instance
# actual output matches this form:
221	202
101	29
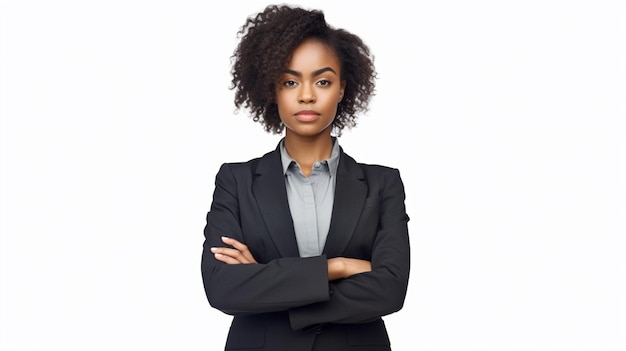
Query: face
309	90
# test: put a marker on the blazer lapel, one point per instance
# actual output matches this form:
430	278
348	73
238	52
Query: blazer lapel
350	194
271	196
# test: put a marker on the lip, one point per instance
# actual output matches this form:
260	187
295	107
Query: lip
307	115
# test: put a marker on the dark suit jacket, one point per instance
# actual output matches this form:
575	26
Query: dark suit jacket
286	302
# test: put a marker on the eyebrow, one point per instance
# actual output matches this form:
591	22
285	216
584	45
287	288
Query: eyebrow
315	73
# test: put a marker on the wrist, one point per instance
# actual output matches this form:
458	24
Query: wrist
336	268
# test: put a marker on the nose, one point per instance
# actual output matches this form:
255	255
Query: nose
307	94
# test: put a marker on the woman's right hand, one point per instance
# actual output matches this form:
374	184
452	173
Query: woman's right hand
343	267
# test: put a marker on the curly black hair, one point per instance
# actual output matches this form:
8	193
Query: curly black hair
267	42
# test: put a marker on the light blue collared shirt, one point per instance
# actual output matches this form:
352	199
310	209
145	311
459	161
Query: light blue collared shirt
311	199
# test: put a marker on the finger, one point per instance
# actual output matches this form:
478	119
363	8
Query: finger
243	248
226	259
234	243
233	253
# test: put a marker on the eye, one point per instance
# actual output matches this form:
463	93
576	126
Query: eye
323	82
290	83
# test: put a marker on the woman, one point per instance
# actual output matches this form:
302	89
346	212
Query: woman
305	247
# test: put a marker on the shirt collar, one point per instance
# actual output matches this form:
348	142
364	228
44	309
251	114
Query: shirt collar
333	161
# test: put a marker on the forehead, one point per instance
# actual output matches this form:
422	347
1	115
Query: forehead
313	54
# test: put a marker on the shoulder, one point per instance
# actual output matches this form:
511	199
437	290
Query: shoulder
370	170
382	180
240	166
377	169
252	166
381	176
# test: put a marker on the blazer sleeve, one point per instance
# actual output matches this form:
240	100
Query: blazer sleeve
277	285
367	296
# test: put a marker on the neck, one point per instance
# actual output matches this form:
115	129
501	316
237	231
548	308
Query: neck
307	151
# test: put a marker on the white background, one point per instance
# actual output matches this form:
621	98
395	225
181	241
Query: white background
505	118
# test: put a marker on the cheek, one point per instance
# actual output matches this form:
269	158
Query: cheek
282	97
279	100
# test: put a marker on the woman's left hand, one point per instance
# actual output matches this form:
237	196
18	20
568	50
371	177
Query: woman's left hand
237	255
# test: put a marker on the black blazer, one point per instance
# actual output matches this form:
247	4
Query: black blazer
286	302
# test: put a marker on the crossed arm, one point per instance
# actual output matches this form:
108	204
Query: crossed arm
338	267
238	283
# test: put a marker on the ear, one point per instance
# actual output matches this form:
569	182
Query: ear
342	90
